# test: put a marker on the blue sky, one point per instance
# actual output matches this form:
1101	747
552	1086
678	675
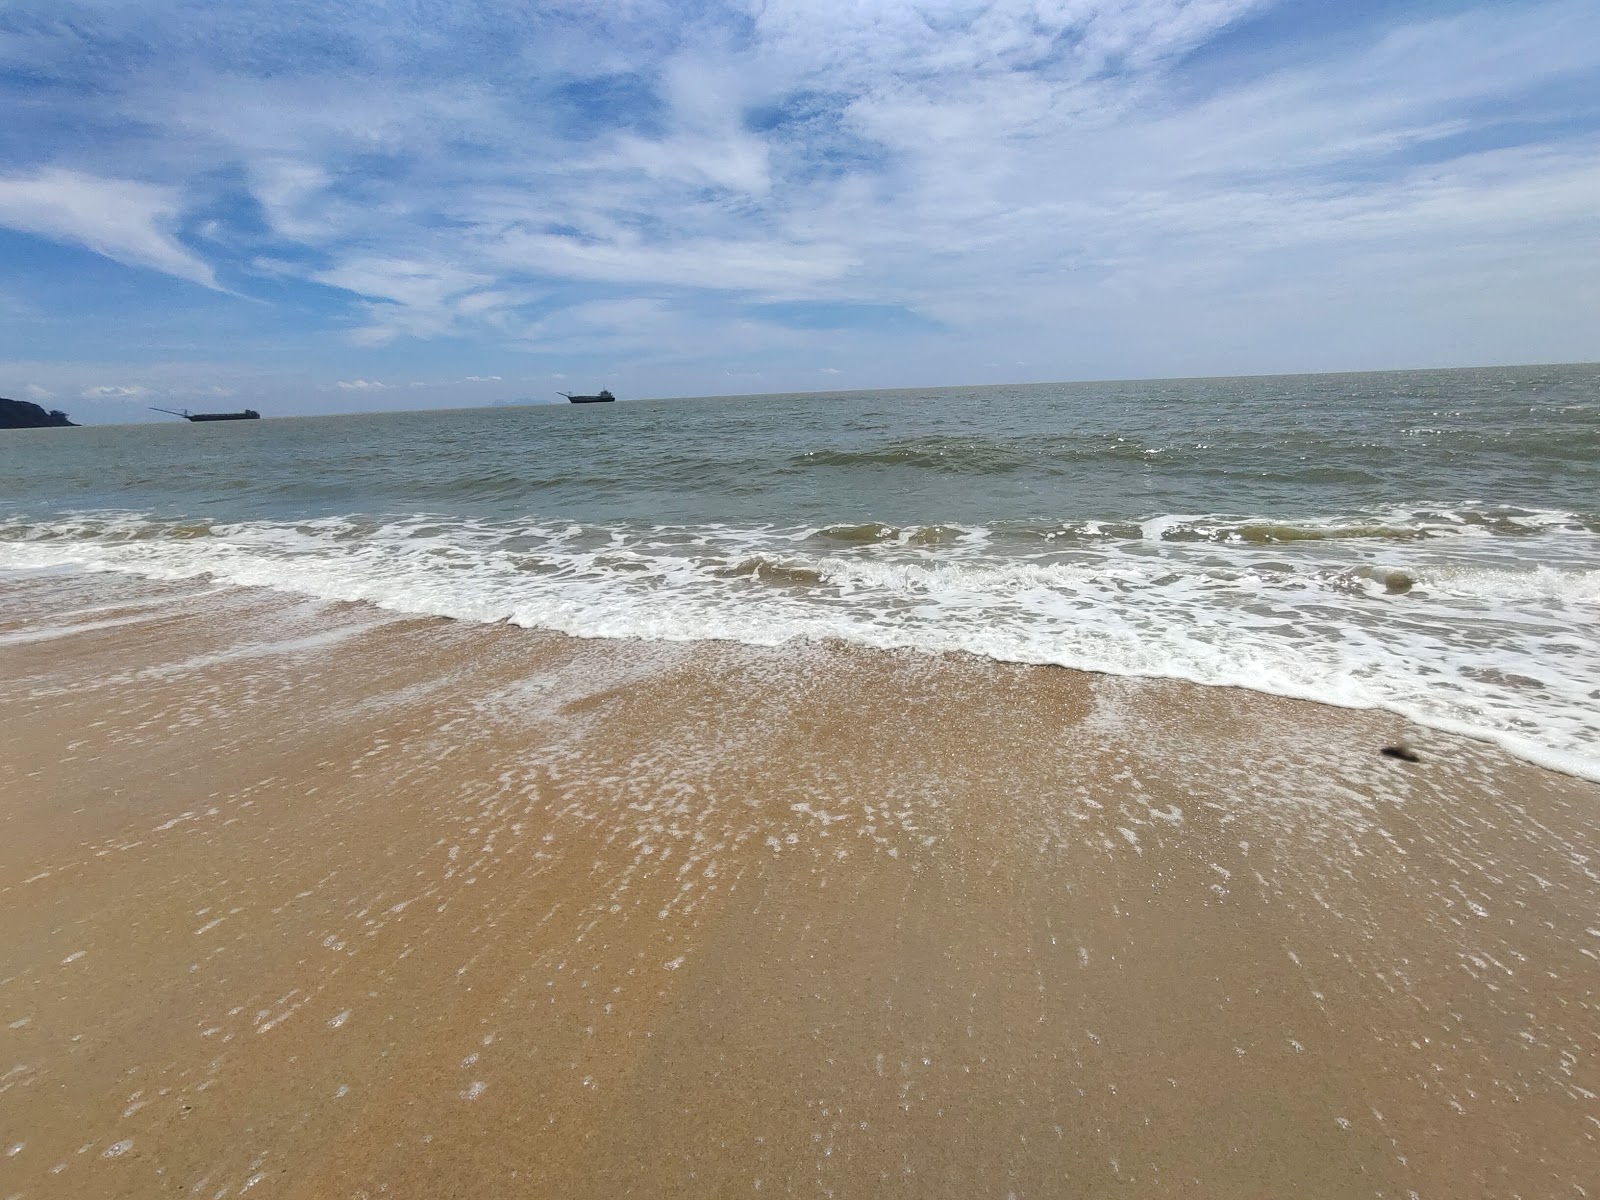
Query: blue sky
338	206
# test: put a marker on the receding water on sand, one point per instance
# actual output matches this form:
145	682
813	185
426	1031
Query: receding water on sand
311	899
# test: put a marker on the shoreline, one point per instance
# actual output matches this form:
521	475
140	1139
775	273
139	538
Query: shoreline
1270	679
340	900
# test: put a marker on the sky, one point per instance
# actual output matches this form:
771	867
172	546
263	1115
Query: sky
338	206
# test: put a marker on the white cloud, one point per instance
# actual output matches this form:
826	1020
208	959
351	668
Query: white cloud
764	266
922	44
290	194
424	285
362	385
481	379
116	392
35	392
414	298
122	219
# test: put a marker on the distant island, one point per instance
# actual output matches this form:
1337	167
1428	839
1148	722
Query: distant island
24	414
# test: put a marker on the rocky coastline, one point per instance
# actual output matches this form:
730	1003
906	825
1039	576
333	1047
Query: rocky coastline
24	414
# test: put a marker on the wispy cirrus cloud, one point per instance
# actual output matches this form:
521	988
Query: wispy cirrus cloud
123	219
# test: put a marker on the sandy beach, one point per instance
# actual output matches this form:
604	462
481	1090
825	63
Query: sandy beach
306	899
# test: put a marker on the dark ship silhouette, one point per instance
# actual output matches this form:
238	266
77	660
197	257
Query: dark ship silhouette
248	414
604	397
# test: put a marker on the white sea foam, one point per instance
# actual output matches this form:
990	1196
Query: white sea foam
1479	622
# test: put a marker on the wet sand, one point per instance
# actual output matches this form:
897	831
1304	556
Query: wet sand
308	900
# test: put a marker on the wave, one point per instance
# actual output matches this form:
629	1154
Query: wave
873	533
1474	619
963	455
1273	456
1399	525
766	570
1000	456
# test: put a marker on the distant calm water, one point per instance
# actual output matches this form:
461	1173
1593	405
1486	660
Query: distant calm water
1427	542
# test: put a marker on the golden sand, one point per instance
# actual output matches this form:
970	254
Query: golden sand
308	900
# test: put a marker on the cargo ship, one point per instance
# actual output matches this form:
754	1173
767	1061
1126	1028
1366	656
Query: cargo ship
248	414
604	397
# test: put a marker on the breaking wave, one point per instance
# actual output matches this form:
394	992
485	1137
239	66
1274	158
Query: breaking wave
1467	618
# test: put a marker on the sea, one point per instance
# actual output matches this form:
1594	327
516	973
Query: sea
1426	542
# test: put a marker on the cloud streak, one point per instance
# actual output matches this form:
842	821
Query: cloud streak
123	219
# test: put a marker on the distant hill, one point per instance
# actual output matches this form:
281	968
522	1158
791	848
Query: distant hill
24	414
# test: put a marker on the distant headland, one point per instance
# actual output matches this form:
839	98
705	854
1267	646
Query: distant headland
24	414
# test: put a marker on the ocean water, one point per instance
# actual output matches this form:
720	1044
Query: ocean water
1424	542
